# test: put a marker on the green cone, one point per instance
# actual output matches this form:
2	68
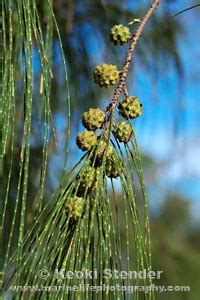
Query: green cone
113	167
120	34
85	140
93	118
103	148
130	107
75	206
123	132
87	178
106	75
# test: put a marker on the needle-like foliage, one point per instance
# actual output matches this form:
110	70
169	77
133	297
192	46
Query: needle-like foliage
84	226
22	37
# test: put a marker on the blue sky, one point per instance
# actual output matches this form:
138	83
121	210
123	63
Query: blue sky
170	131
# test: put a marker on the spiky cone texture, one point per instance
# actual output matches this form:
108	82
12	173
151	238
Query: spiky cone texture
106	75
93	118
120	34
123	132
130	107
86	140
87	178
75	207
113	167
103	148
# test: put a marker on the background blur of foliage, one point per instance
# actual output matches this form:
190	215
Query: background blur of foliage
84	26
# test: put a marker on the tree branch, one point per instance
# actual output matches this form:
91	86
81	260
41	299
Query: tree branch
123	75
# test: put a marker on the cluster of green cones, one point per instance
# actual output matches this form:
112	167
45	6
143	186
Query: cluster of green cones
100	146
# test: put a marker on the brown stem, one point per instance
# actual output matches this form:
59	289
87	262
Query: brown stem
123	75
125	91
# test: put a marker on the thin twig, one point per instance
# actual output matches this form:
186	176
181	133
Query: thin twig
182	11
69	249
131	51
123	74
125	91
